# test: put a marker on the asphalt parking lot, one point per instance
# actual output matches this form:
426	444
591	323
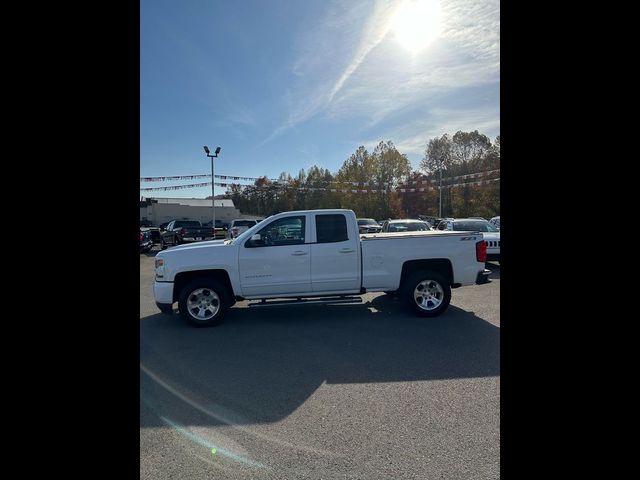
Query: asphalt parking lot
306	392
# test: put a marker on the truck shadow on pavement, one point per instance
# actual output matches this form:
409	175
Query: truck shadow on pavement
495	270
261	365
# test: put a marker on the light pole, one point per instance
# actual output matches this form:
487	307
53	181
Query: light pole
213	179
440	214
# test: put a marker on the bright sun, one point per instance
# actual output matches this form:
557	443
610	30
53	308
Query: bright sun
416	23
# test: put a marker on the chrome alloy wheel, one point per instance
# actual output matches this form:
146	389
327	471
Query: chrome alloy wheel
428	295
203	304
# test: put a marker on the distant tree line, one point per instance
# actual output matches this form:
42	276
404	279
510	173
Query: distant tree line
461	154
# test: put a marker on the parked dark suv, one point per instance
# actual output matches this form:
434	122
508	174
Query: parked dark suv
368	225
145	241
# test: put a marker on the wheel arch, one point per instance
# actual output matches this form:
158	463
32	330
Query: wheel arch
181	279
440	265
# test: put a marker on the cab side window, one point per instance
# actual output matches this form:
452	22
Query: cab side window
284	231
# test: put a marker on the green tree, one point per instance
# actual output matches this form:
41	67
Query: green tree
419	203
464	153
390	168
438	159
359	169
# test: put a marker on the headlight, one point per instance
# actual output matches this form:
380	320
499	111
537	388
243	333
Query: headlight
159	267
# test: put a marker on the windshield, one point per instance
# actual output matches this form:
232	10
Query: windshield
367	221
186	223
474	225
247	233
408	227
244	223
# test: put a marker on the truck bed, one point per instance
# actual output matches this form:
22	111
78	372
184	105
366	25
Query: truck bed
383	255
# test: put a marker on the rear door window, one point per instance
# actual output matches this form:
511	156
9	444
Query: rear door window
331	228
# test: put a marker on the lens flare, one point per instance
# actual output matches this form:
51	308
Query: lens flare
417	23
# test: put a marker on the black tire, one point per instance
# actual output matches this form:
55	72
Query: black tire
195	289
163	245
438	296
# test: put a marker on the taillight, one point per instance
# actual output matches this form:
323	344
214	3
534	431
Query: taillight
182	231
140	237
481	251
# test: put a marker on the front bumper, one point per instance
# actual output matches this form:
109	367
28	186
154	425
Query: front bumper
483	277
163	292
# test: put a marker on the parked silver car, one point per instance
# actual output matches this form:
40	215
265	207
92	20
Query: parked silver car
405	225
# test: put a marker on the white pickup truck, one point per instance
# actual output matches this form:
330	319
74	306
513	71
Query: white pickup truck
316	256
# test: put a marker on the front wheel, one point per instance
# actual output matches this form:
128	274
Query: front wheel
163	245
203	302
427	293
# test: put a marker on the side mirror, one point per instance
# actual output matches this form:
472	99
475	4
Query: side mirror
255	241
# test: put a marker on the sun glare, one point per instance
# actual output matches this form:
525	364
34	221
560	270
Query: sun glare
416	23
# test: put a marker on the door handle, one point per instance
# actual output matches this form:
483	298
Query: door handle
297	253
347	250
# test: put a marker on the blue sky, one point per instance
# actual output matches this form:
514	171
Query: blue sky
283	85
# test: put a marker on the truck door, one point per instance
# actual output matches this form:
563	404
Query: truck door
335	254
280	264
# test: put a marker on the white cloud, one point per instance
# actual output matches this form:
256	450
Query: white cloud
350	65
375	31
413	138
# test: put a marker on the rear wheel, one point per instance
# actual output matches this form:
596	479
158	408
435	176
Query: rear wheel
427	293
203	302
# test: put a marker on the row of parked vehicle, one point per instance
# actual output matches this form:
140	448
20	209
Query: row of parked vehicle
489	228
178	232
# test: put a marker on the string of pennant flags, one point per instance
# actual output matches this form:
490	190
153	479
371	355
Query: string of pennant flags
401	186
193	177
325	189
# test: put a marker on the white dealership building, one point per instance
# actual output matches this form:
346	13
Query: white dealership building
163	210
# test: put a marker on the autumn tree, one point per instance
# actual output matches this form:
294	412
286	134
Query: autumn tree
384	170
462	154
